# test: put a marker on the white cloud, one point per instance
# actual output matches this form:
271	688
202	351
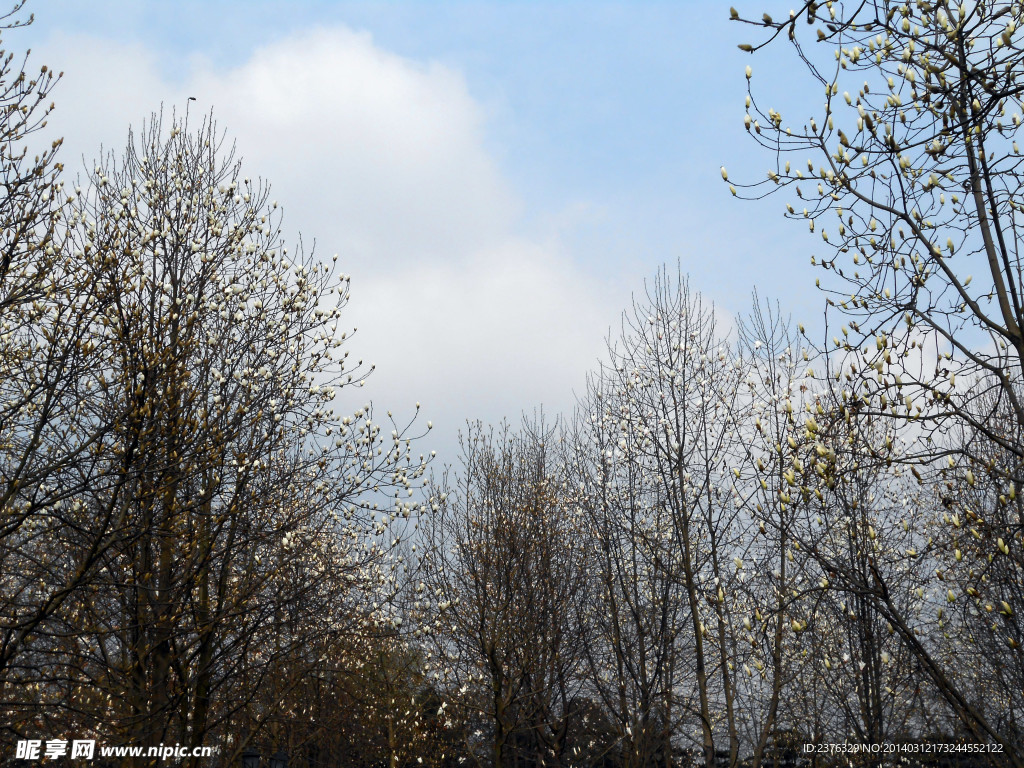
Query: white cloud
384	156
514	327
384	161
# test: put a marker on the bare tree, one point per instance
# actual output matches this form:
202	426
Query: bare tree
505	562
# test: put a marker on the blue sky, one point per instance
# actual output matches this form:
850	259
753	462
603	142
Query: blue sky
560	151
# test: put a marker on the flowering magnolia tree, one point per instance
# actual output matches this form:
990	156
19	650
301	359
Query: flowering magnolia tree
658	451
250	528
49	546
915	154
